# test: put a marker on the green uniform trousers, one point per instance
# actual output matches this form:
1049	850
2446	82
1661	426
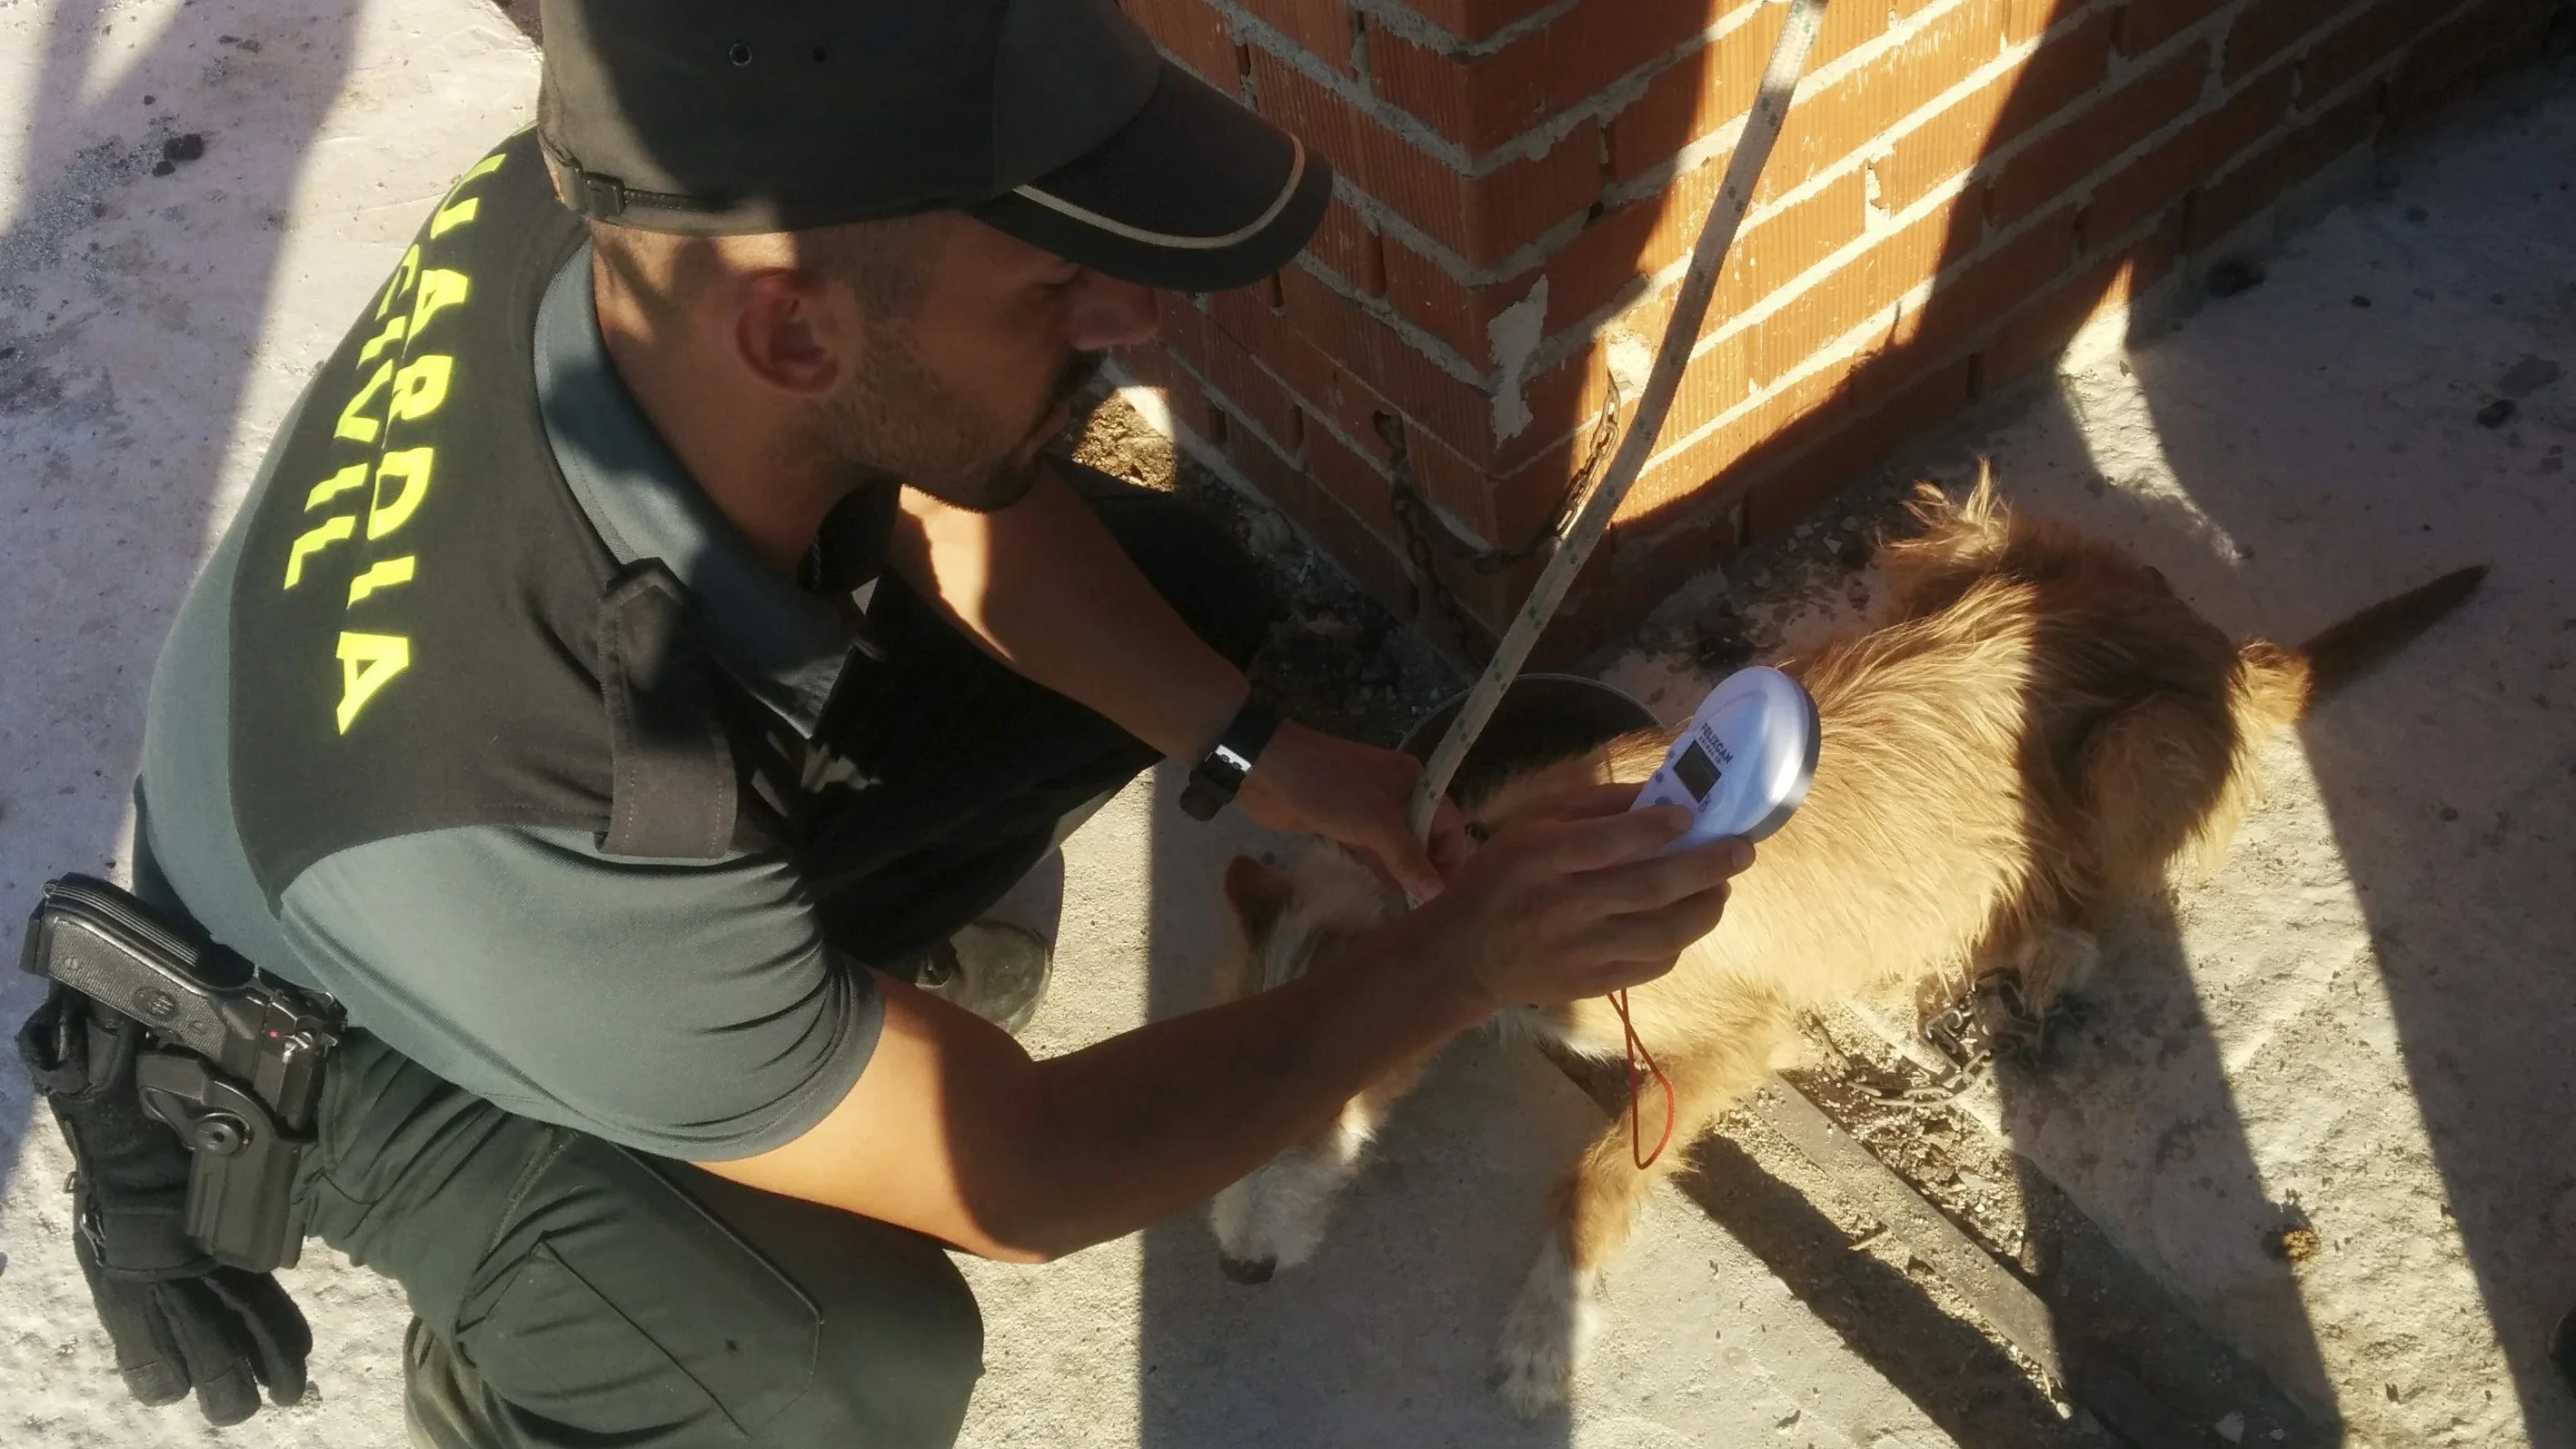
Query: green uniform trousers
569	1291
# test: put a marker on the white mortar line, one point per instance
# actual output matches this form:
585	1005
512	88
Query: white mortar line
1721	142
1449	359
1414	26
1530	144
1602	105
1858	338
1555	348
2213	97
1239	413
1314	418
2118	72
1577	334
1413	130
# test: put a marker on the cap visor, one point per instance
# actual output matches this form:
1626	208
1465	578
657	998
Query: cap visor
1196	194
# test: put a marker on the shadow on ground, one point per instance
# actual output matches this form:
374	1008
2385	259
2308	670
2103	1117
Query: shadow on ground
2399	986
120	384
2232	1089
2361	1026
1385	1337
2447	781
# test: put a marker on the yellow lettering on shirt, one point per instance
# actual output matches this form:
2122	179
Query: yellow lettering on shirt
421	386
313	541
410	388
395	327
452	216
367	663
479	170
439	290
355	425
459	213
332	487
408	471
383	575
395	286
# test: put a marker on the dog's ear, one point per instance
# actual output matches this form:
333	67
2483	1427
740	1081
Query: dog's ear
1258	894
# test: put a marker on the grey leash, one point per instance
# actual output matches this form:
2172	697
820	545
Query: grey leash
1672	355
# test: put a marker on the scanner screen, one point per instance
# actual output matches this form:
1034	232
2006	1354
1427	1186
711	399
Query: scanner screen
1696	771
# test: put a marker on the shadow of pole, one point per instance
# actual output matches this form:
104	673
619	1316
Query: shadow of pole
124	343
2187	1150
2019	265
1960	1378
2445	781
1381	1341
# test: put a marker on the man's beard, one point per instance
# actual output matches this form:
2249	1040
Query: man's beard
897	422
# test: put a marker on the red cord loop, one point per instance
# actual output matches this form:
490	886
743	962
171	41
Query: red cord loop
1637	1048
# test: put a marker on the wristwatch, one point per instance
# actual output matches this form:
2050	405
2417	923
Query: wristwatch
1214	780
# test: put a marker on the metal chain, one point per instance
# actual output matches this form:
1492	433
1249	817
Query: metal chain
1477	556
1409	507
1421	524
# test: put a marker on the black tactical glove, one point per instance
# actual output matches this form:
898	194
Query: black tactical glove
179	1320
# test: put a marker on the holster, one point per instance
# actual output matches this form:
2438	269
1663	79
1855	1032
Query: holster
146	1011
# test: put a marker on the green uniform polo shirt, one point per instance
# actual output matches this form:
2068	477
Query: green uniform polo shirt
389	754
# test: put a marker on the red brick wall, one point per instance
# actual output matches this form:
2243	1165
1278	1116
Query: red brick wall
1961	186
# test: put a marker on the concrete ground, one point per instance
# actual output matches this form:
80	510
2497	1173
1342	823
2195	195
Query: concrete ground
2363	1023
1382	1339
2366	1021
154	328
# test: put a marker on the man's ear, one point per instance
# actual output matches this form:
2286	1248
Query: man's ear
1258	894
787	333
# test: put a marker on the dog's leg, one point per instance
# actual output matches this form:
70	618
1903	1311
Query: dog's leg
1550	1324
1275	1218
2019	991
2160	782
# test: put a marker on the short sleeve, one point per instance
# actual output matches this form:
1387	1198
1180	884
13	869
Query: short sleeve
686	1009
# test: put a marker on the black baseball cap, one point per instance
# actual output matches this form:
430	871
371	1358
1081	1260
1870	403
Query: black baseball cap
1053	120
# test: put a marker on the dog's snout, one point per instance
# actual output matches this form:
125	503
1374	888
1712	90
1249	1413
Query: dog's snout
1248	1270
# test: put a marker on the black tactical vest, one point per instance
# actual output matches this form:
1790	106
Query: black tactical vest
427	631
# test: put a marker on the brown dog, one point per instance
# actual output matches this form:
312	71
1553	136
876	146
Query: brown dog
2040	731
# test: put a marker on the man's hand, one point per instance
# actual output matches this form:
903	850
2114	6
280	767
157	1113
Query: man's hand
1311	783
1571	899
178	1320
952	1130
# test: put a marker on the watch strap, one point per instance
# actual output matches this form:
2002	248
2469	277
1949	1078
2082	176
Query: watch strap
1214	780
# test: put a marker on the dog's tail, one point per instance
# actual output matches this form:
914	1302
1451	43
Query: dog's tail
2344	652
2275	685
2280	684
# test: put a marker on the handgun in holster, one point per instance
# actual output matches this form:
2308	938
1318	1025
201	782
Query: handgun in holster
236	1065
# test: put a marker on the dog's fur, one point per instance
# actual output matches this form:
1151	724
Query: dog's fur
2040	731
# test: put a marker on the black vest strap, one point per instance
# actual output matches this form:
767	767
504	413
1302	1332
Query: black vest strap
672	792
